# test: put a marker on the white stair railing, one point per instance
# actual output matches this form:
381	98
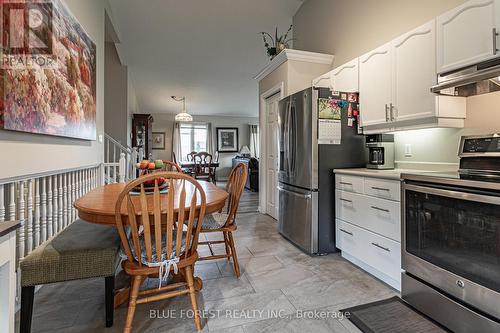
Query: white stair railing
43	202
119	161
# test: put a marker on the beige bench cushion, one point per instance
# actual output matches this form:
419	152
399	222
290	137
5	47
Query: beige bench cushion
83	250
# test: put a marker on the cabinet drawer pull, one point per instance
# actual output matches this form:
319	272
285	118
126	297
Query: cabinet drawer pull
346	200
380	209
380	189
386	113
345	183
347	232
381	247
495	34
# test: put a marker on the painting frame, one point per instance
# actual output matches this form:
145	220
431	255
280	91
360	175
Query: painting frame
158	141
54	94
227	139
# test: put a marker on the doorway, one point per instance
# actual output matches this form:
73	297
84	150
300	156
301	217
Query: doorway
271	109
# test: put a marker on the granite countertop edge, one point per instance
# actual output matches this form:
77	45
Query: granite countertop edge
7	227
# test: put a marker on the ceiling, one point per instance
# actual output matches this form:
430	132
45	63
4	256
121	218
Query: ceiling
207	50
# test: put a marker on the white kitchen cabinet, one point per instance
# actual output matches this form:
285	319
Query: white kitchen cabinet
375	86
467	34
368	225
409	69
345	78
414	72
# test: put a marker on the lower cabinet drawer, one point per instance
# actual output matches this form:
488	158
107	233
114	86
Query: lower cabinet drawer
377	215
347	238
377	252
383	254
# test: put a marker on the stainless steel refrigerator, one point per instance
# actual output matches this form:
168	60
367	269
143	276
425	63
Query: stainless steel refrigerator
306	187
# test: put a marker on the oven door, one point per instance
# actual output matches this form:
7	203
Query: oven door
451	240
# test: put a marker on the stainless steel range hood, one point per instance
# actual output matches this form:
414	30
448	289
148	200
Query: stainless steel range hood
478	79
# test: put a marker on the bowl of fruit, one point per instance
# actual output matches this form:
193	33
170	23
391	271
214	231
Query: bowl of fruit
148	167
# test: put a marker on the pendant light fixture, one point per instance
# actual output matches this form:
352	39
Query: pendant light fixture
183	115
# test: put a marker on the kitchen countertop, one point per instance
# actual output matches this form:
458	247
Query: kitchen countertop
7	227
394	174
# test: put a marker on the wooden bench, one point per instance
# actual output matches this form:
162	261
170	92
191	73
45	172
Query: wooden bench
81	251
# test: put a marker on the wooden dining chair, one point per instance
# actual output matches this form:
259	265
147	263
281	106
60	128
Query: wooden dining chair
191	155
171	166
157	240
226	222
203	168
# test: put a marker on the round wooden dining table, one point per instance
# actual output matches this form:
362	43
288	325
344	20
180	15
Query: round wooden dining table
98	206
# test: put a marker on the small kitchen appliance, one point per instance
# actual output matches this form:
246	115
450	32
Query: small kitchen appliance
451	239
380	151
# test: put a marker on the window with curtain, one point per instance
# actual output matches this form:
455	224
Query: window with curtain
254	140
193	137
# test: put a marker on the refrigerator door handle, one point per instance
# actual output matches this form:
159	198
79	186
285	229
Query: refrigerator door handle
287	131
297	194
293	143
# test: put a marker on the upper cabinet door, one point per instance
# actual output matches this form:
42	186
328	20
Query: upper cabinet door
345	77
375	86
466	34
414	72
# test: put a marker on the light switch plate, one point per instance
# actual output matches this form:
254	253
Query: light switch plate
100	138
408	152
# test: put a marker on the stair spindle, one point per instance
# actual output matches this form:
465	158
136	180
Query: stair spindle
50	229
36	211
21	231
43	210
2	203
12	202
60	204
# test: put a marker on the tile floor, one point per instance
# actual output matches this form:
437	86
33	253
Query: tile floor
279	286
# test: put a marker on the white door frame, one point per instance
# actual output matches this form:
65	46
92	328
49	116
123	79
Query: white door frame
278	88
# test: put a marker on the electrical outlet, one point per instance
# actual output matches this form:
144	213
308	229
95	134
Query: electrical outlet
408	152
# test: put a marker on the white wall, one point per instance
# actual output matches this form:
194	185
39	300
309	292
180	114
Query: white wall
438	148
29	153
349	28
165	123
116	86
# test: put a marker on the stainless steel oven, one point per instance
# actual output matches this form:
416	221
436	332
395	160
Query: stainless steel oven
451	244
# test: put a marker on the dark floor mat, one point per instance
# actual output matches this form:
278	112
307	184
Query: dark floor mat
391	315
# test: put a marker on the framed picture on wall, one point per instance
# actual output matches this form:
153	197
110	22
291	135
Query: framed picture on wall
227	139
159	140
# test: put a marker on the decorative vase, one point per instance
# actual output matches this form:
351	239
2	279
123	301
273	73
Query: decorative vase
271	52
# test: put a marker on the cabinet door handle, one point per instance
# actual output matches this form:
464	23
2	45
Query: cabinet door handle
380	209
381	247
495	34
391	110
380	189
344	183
387	113
347	232
345	200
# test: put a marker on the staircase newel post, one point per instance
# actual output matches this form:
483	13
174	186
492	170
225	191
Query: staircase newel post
122	168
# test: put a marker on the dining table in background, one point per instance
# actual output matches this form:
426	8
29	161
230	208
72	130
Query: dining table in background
191	164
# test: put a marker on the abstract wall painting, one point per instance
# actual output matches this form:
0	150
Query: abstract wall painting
48	71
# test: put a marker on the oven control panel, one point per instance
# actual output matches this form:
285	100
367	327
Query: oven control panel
478	145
